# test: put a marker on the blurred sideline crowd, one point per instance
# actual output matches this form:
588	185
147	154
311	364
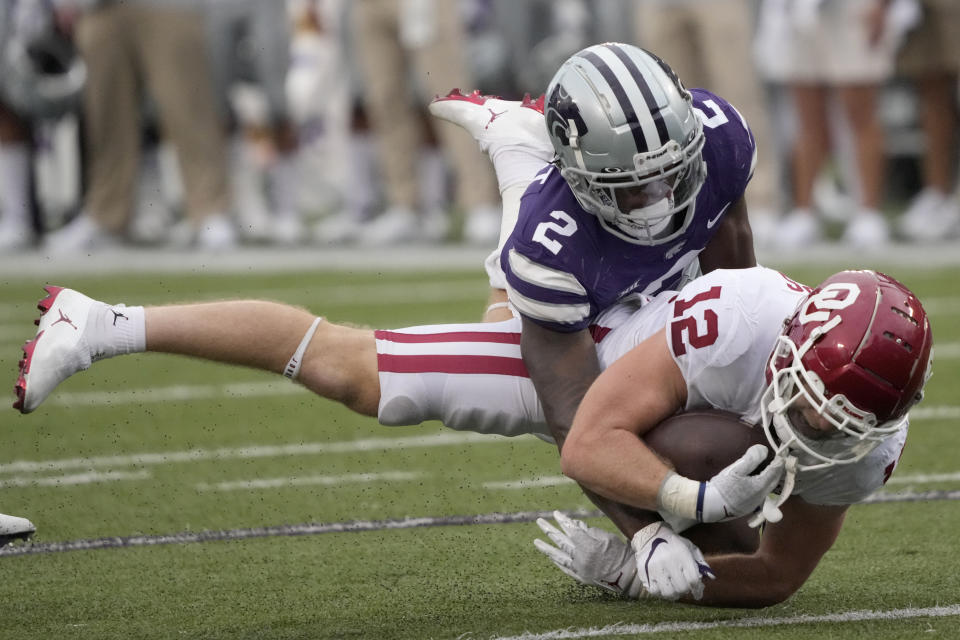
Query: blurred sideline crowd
213	123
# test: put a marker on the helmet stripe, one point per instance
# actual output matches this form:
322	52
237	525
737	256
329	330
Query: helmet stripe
621	95
644	87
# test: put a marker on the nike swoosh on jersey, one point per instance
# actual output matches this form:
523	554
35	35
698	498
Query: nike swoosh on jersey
714	220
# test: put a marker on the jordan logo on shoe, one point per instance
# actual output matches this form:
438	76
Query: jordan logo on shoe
64	318
117	314
493	116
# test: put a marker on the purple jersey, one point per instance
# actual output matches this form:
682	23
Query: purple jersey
563	268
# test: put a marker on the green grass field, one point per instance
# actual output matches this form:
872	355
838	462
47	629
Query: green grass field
156	445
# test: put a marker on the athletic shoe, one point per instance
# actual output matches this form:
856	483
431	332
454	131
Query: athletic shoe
495	123
482	226
867	230
15	236
14	528
60	349
216	233
343	227
931	216
288	230
800	228
396	225
81	235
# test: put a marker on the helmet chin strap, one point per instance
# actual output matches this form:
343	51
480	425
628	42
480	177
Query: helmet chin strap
770	511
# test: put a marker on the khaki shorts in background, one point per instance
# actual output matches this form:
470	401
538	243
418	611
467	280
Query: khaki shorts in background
934	45
829	47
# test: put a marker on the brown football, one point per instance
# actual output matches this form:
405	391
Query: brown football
699	444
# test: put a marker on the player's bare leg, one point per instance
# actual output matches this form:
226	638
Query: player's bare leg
339	362
74	331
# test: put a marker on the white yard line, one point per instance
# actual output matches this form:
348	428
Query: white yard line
307	481
72	480
528	483
443	439
624	629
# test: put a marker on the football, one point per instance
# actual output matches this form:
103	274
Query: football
699	444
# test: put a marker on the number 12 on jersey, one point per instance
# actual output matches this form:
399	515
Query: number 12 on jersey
685	330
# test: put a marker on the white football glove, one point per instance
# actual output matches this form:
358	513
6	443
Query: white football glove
730	494
591	556
668	565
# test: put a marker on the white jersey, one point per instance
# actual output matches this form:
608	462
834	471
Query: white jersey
721	329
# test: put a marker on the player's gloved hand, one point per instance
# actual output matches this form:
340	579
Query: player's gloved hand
730	494
668	565
590	555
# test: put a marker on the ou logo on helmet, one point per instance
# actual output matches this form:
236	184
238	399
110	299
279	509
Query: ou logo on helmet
833	297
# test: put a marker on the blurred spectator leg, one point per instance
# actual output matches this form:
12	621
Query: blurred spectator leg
111	103
931	58
801	226
394	121
16	228
178	74
441	65
868	228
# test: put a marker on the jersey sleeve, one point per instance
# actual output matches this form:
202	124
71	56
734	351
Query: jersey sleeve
548	295
543	259
846	484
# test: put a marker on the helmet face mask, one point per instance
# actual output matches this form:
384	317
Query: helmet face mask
856	353
628	141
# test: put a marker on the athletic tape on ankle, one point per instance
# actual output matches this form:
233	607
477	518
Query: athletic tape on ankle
293	367
498	305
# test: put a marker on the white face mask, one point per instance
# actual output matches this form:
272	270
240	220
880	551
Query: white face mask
651	221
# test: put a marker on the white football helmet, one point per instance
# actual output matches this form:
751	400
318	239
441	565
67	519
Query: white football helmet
628	141
857	352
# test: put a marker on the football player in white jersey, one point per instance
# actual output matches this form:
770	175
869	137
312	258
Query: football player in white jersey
829	374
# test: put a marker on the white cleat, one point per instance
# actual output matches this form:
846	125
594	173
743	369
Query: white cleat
59	350
14	528
496	123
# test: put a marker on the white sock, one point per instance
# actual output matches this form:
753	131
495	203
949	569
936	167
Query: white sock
116	329
517	165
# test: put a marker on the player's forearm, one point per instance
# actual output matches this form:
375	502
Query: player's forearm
747	581
615	465
562	367
628	519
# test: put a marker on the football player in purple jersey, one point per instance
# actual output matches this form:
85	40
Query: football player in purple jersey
641	190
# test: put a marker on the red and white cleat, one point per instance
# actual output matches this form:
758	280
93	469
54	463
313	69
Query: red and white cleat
59	350
496	123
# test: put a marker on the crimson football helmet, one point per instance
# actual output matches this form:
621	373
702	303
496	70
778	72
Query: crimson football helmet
857	350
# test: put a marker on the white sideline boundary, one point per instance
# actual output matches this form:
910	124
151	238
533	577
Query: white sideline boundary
622	629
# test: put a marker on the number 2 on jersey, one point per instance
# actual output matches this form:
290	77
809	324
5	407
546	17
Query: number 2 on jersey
566	230
688	325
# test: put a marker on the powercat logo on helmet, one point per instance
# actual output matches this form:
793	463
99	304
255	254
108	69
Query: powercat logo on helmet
562	111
